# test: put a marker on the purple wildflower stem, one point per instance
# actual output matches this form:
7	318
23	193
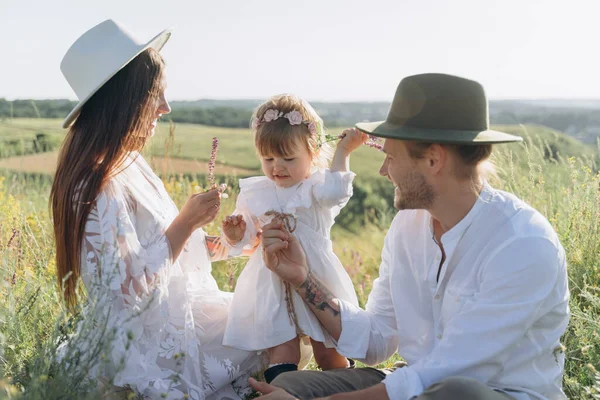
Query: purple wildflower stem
372	142
211	162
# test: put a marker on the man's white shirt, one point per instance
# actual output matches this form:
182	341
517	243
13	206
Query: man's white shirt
496	314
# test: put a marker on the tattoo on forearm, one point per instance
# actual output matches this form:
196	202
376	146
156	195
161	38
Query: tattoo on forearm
318	295
216	250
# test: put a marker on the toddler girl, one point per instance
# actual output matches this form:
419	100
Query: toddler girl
266	314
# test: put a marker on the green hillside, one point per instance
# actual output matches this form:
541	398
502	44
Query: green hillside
549	170
193	142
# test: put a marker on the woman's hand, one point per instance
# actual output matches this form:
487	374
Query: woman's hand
283	254
234	228
199	210
353	139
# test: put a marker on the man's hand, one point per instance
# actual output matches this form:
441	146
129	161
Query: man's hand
283	254
269	391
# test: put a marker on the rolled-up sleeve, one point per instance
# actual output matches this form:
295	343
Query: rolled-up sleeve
371	335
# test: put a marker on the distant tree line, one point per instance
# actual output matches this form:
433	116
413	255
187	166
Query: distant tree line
35	108
577	121
218	116
583	124
225	113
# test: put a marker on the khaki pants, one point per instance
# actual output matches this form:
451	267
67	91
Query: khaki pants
307	385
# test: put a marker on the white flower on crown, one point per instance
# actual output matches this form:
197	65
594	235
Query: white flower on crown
271	115
294	117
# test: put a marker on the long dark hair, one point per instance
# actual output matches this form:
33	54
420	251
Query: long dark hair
113	122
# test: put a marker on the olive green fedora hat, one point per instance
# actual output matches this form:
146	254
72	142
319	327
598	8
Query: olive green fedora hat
438	108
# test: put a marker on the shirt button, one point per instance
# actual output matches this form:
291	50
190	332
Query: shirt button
437	296
439	336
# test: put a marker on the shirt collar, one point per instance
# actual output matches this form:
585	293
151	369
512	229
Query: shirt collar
457	231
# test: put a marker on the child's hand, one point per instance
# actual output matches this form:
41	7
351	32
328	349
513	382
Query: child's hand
353	139
234	228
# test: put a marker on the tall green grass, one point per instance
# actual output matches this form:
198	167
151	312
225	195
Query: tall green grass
33	322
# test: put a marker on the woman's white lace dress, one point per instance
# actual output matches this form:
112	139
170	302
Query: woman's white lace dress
259	303
170	316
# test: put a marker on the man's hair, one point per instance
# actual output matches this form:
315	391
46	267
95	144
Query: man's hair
475	159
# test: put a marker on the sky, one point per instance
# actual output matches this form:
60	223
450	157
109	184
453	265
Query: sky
322	50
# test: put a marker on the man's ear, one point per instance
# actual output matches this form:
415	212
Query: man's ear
436	157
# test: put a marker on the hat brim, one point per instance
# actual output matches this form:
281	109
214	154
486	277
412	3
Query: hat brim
155	43
386	130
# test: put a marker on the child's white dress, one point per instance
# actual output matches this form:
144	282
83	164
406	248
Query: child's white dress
258	318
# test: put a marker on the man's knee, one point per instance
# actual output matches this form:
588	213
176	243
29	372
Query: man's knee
285	379
315	384
456	387
297	383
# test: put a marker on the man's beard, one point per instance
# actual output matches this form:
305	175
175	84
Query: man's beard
413	193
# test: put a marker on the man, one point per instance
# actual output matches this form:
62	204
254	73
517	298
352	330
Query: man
472	289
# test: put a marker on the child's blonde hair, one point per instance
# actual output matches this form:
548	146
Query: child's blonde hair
279	138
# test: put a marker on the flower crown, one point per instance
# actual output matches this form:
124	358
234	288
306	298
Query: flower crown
295	118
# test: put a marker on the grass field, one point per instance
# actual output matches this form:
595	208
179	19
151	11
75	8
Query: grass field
45	163
236	151
192	143
554	173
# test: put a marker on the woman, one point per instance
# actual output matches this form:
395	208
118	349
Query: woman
118	231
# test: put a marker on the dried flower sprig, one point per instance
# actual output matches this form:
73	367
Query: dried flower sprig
373	141
211	162
211	169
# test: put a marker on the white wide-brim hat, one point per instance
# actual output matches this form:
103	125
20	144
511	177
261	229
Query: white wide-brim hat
98	55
